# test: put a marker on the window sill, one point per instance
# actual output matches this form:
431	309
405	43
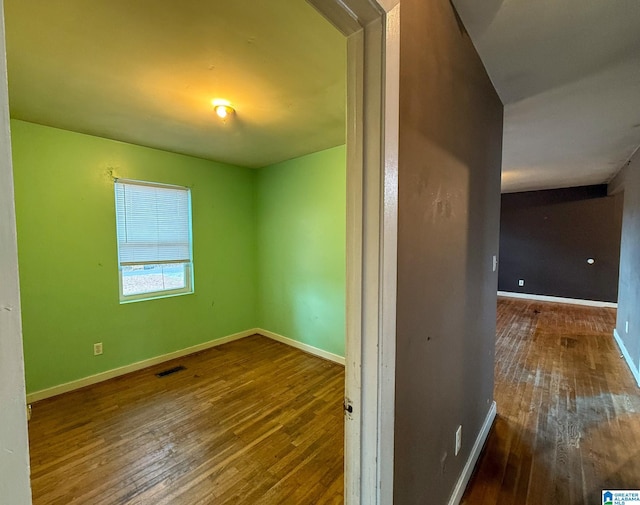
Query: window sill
152	296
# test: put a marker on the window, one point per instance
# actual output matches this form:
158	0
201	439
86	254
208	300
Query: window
153	223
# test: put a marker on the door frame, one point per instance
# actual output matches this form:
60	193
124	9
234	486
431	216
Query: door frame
373	49
15	486
373	53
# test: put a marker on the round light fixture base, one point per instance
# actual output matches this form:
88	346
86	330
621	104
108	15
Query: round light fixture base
222	108
223	111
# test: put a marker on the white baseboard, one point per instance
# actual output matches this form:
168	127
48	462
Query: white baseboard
558	299
627	356
116	372
303	347
461	485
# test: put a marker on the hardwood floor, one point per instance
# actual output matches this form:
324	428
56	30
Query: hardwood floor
568	420
249	422
257	422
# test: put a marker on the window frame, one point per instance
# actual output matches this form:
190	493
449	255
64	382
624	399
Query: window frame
188	266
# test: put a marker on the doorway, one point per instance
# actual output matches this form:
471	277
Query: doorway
372	196
372	161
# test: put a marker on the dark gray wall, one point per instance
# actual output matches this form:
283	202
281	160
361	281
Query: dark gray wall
449	198
629	284
546	238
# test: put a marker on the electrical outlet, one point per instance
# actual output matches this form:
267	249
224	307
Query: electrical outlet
97	349
626	326
520	282
458	439
495	262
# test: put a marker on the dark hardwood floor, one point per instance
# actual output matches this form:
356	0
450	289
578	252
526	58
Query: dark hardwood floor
257	422
568	420
249	422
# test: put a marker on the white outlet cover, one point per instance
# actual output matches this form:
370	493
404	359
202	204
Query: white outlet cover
458	439
520	282
626	326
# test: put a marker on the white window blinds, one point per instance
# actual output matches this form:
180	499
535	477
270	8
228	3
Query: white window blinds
153	223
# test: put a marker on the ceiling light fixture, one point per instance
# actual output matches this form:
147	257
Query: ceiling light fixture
223	108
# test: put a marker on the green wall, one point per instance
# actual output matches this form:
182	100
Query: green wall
301	215
269	252
68	259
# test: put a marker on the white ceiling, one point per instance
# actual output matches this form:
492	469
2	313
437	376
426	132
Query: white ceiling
568	73
145	71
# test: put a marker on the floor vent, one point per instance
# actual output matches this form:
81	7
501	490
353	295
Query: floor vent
164	373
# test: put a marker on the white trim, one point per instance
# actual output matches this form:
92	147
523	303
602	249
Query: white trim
389	257
355	361
558	299
627	357
139	365
14	447
461	485
151	184
302	346
372	145
372	278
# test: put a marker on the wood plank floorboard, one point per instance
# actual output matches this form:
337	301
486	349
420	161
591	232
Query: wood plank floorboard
249	422
257	422
568	423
